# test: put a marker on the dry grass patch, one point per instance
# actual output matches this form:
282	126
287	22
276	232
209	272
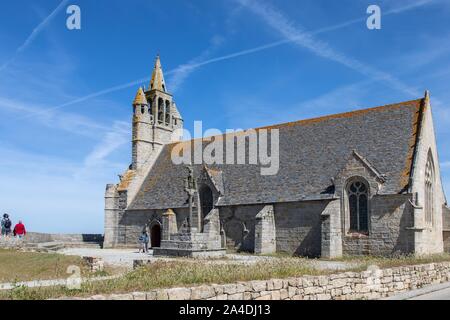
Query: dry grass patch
167	274
26	266
394	261
172	274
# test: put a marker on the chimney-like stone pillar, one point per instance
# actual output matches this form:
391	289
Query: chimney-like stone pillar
265	234
331	230
111	216
169	224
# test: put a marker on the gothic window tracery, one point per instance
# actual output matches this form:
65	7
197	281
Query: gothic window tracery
358	205
429	191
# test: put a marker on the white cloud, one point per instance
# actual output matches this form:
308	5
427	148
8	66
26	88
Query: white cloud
110	142
70	122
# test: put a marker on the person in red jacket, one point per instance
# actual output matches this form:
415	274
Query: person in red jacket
19	230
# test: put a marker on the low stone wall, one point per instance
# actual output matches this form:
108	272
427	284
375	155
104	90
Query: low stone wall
36	237
371	284
10	242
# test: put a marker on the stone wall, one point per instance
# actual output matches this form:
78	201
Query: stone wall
428	239
298	227
331	230
390	218
132	223
446	218
446	237
239	226
446	227
37	238
10	242
371	284
265	232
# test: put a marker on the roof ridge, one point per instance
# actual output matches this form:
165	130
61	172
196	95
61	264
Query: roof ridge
344	114
314	120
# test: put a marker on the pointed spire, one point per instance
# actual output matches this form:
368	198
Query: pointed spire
157	81
140	98
427	97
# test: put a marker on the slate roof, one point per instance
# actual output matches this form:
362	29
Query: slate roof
312	152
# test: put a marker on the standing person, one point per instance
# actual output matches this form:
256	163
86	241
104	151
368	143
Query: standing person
19	230
143	240
6	225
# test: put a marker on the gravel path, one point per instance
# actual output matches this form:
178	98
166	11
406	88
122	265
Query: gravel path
50	283
125	258
114	257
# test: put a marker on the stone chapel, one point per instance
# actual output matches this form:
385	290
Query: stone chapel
356	183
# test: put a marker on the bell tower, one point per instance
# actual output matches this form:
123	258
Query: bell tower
155	118
166	117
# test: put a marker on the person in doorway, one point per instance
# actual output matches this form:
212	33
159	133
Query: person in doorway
6	225
19	230
143	240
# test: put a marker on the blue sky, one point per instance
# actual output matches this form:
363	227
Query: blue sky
65	96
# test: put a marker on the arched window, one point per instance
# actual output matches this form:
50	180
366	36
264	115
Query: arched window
358	205
429	190
160	110
167	120
150	105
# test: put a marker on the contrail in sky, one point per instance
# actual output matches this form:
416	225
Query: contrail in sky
236	55
38	29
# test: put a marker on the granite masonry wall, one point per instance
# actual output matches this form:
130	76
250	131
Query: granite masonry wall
133	222
371	284
446	236
239	225
390	218
298	227
446	227
428	239
37	238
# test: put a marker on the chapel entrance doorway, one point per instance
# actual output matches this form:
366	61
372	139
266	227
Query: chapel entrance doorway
155	236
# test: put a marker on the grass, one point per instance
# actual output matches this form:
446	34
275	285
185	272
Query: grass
172	274
394	261
166	274
26	266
